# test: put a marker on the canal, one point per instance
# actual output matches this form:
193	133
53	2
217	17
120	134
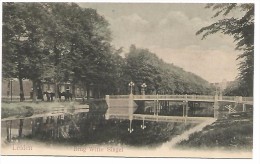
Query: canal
91	133
93	128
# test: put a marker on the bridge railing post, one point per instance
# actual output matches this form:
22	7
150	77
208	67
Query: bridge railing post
154	108
194	97
244	107
157	104
240	99
220	96
183	109
187	109
216	105
216	97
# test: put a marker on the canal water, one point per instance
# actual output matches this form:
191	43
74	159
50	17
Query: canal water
92	134
93	128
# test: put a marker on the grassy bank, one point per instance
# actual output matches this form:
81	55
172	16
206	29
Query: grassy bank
232	132
27	109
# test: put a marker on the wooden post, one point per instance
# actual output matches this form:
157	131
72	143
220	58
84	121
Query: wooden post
7	131
33	128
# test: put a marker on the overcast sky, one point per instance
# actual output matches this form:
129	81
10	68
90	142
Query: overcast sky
169	31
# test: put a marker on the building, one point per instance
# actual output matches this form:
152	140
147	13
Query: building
11	88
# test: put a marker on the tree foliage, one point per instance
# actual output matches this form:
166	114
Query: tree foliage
24	51
61	42
242	30
57	42
142	66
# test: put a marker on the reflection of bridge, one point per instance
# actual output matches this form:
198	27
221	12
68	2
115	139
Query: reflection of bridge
124	106
159	118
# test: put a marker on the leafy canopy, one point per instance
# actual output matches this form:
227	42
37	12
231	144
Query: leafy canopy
242	30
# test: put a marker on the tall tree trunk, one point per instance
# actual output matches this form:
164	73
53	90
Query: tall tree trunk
7	131
56	91
20	82
39	90
21	128
99	93
21	89
88	92
73	91
34	90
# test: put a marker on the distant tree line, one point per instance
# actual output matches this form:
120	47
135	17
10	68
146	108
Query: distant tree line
59	42
142	66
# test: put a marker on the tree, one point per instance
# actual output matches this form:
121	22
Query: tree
242	30
81	49
23	44
142	66
58	42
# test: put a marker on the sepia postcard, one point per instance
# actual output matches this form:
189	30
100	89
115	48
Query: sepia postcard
128	79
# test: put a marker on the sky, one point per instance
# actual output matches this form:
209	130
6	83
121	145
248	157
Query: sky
169	30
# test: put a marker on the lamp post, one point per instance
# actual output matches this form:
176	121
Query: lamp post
11	88
143	88
131	84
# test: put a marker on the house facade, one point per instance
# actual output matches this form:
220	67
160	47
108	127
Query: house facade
11	89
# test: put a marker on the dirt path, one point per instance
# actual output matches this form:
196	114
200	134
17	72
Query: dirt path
185	135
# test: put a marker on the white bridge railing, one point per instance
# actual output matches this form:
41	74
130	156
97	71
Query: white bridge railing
247	99
186	97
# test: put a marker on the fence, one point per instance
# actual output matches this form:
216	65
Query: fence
186	97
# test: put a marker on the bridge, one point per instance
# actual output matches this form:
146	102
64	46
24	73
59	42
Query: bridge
124	106
202	98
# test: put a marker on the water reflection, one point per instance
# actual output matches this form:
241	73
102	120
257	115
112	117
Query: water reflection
93	128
